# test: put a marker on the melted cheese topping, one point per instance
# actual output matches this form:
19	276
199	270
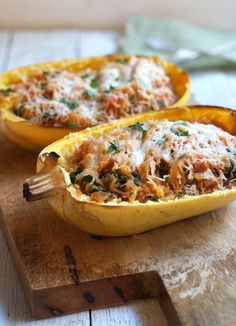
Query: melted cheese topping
155	160
119	89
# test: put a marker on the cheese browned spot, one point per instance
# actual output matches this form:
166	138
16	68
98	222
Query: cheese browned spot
118	89
154	160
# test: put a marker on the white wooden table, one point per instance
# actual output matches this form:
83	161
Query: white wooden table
25	47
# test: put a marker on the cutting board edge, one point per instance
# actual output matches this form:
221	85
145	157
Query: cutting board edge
20	268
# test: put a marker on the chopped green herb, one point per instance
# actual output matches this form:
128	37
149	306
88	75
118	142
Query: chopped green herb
131	99
94	83
46	72
182	156
179	133
166	178
90	93
111	88
72	124
97	187
122	179
151	108
136	175
19	110
178	195
156	199
70	104
161	141
117	78
180	122
113	147
234	154
139	127
49	113
123	61
137	178
87	178
74	174
87	75
160	104
5	91
230	168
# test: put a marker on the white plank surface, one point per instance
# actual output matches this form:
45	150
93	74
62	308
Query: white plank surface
215	88
4	39
24	47
31	47
145	313
97	43
113	14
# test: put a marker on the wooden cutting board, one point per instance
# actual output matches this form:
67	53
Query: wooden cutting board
189	266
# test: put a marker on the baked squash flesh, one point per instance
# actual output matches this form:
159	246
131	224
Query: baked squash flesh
142	172
56	98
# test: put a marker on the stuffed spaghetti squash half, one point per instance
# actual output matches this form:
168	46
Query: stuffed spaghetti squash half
42	103
138	173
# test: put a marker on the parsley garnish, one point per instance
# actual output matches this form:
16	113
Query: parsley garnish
137	178
72	124
179	133
139	127
123	61
136	175
182	156
85	75
156	199
70	104
97	187
111	88
49	113
90	93
87	178
117	78
122	179
46	72
19	109
113	147
94	83
178	195
74	174
5	91
183	123
131	99
161	141
230	169
160	104
166	178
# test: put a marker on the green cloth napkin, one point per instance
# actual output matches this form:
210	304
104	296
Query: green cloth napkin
139	29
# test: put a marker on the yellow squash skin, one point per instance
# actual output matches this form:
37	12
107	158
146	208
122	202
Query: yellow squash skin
34	137
126	219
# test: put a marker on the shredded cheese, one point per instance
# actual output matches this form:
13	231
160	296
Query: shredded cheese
155	160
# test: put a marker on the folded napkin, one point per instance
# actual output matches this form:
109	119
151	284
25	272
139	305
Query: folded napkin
177	33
